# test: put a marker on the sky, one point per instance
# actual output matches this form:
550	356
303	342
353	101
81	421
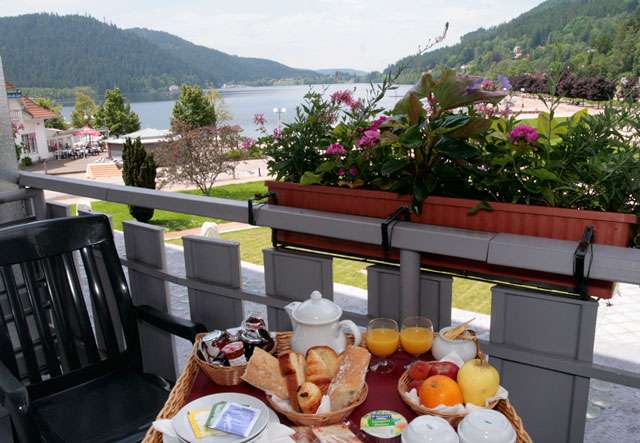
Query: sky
313	34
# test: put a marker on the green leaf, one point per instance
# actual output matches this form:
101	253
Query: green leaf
475	126
455	149
543	174
388	138
326	167
394	165
482	206
412	137
309	178
416	110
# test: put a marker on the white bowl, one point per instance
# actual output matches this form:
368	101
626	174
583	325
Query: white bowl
486	426
466	349
429	429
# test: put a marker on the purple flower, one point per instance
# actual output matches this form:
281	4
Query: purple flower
370	138
475	85
341	172
504	81
524	133
335	149
259	119
354	171
277	133
248	142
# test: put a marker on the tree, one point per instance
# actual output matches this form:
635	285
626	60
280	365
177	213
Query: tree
58	121
138	169
84	111
193	108
221	109
198	155
116	114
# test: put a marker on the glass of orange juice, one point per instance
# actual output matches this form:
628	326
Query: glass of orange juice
416	335
383	339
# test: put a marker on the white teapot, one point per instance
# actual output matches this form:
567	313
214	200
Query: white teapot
316	322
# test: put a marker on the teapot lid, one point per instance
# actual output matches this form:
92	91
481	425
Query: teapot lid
317	310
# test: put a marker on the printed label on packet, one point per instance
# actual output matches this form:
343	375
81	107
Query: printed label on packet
383	424
236	419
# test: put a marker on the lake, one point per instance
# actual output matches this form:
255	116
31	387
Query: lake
244	103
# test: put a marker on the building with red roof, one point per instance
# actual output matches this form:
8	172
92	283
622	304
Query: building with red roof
27	120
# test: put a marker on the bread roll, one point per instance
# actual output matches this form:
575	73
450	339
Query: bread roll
349	380
292	367
263	372
322	366
309	397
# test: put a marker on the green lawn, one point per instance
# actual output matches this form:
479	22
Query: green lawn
174	221
467	294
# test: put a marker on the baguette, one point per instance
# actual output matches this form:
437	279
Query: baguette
309	397
263	372
350	379
292	367
322	366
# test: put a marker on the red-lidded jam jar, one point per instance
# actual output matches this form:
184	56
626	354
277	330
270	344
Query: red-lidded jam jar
234	352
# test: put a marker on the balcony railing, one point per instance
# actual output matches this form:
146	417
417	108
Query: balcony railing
541	342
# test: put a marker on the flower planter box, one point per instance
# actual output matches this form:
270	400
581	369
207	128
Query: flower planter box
557	223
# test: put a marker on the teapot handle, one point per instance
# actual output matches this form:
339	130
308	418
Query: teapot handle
357	335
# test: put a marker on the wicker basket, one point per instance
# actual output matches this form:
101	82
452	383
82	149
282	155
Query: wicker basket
504	406
221	375
329	418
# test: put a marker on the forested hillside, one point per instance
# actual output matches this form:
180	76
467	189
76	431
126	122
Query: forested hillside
222	67
590	37
53	51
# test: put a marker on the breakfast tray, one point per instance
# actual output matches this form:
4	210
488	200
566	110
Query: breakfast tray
180	393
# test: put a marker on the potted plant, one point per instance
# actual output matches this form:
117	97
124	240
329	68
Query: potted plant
458	158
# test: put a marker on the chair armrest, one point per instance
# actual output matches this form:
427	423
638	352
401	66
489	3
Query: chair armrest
14	400
181	327
6	434
12	390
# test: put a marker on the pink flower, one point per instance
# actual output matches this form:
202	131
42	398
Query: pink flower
259	119
378	122
487	85
524	133
344	97
354	171
336	149
370	138
277	133
356	104
248	142
341	172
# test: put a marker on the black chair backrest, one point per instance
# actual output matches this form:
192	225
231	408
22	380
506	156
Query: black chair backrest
46	331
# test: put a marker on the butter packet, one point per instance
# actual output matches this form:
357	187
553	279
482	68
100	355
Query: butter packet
197	419
236	419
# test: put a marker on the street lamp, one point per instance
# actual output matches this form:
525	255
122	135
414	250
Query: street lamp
279	111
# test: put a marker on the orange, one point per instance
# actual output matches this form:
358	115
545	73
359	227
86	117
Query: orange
440	390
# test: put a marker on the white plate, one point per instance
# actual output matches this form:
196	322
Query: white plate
183	428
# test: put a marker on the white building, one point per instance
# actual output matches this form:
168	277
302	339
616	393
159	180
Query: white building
149	137
27	118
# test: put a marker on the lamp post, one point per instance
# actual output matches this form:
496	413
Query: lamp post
279	111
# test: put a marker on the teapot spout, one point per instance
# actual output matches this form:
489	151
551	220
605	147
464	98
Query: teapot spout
289	309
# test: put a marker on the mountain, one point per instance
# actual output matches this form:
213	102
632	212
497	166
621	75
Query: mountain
224	68
53	51
590	37
352	72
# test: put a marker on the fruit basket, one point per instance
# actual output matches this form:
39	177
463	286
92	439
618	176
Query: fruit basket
329	418
451	417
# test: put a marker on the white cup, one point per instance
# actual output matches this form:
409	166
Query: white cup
486	426
429	429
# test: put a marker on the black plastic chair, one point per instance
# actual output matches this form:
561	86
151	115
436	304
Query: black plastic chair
65	375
